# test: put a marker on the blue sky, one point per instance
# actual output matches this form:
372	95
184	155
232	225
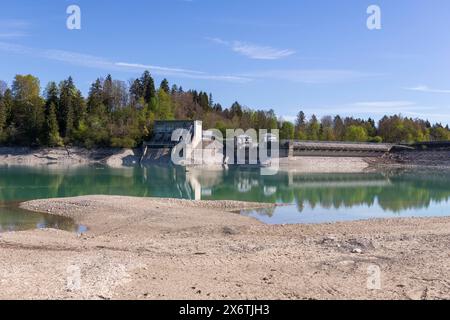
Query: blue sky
289	55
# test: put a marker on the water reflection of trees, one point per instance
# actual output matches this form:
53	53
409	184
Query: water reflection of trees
392	191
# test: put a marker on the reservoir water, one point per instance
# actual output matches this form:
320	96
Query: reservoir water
310	198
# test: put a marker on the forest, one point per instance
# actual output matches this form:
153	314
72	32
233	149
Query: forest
120	114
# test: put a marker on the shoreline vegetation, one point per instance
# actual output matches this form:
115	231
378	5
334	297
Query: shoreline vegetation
122	115
146	248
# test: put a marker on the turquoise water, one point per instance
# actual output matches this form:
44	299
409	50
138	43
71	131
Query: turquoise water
312	198
13	218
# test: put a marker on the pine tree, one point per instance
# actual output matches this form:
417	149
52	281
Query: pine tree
338	128
148	85
211	101
165	86
51	129
95	98
108	88
300	126
67	93
136	90
52	95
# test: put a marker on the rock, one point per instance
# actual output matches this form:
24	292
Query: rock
229	231
329	239
361	243
357	250
347	262
417	294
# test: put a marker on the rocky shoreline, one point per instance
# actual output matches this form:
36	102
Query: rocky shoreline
116	157
68	156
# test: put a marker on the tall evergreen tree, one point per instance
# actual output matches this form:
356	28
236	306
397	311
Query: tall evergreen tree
108	93
51	129
95	97
136	90
51	95
300	126
339	128
148	86
65	109
165	86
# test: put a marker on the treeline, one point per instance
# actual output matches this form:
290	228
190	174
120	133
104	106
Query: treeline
393	129
120	114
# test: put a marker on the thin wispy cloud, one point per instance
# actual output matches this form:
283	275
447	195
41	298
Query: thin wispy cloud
381	107
254	51
11	35
405	108
312	76
91	61
157	68
13	28
14	24
427	89
384	105
378	109
185	73
254	23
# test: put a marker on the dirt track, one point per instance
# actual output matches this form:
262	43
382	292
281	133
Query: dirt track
170	249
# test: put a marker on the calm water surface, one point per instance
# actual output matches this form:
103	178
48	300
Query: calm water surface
312	198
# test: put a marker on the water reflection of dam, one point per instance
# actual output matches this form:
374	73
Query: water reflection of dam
394	191
199	184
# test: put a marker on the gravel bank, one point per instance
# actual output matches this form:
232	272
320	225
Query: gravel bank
67	156
139	248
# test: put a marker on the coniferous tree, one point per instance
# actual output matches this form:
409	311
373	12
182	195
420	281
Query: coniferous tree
108	93
95	98
51	129
165	86
148	86
51	95
339	128
300	126
65	110
136	90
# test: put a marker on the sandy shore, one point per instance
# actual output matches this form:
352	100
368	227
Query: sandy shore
140	248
